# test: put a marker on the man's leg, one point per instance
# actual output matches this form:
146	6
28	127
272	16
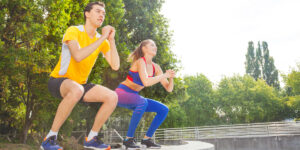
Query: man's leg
71	92
109	99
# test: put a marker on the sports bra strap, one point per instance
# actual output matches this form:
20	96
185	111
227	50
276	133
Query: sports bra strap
153	69
144	59
152	66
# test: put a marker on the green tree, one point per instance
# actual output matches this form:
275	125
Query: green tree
31	32
293	80
259	66
292	86
177	116
258	63
270	73
250	60
244	100
200	105
22	33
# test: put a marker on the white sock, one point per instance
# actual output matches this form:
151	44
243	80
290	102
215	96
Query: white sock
51	133
92	134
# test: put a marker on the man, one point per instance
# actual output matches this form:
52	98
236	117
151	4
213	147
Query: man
80	48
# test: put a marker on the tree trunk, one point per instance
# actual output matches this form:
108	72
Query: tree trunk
29	106
26	125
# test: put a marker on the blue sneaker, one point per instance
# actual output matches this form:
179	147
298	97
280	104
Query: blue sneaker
95	144
50	144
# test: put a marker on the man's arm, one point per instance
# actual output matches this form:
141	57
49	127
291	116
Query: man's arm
112	56
80	53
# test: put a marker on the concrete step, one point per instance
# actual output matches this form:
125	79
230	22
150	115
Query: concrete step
191	145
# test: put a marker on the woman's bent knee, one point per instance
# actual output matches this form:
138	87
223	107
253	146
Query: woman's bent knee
165	110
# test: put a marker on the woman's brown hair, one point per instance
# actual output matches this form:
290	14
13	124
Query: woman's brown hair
138	52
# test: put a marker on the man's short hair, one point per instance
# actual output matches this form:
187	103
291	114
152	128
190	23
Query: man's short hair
89	7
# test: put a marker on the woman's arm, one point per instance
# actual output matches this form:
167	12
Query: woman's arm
167	84
148	81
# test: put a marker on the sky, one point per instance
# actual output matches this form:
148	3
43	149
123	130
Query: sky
211	36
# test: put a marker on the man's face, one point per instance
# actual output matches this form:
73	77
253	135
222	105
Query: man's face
96	15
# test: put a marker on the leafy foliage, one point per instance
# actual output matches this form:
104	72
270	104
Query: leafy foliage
259	66
30	45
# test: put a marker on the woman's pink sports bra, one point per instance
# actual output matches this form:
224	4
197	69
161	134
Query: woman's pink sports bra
135	77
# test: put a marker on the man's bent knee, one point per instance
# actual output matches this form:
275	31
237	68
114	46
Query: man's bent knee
75	94
112	98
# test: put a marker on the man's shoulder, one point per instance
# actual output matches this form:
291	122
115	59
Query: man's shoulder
78	28
98	35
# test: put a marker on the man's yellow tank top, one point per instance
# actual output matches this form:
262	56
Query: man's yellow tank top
67	66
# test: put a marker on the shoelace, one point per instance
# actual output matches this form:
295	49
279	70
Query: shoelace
52	141
151	141
133	140
97	139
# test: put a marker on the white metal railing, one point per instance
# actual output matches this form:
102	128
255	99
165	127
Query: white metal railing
212	132
229	131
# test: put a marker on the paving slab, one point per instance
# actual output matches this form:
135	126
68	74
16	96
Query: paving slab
191	145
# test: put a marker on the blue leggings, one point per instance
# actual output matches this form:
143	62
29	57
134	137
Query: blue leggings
130	99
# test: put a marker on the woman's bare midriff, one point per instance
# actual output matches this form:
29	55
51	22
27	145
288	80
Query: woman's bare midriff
132	85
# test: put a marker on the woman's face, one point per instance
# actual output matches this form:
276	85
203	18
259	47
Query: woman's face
150	48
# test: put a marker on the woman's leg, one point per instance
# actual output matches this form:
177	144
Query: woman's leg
161	114
134	102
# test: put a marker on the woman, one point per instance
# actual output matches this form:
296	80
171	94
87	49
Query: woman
142	73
